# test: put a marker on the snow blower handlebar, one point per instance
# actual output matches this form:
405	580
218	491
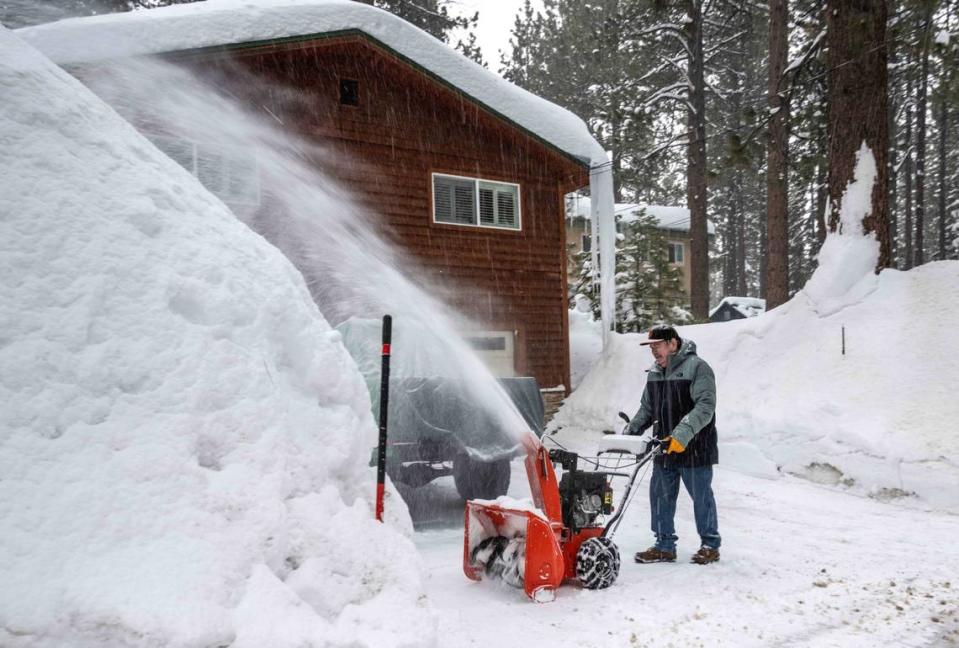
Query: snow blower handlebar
653	449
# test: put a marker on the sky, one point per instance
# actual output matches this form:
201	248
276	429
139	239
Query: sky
495	21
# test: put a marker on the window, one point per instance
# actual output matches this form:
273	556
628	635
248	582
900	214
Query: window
349	92
587	243
471	201
676	253
229	173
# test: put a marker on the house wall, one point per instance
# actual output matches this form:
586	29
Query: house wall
406	127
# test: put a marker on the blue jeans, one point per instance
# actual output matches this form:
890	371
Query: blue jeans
663	492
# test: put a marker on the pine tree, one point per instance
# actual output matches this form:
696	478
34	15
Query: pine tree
649	288
858	81
435	18
586	286
590	58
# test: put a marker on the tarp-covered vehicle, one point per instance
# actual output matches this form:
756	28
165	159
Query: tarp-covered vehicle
437	424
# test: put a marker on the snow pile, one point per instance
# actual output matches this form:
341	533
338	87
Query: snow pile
224	22
748	306
585	343
848	384
847	258
183	438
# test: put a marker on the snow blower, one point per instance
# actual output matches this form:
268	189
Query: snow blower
561	537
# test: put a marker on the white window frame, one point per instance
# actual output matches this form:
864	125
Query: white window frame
225	152
682	254
476	197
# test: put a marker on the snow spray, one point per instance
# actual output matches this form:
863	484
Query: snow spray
341	249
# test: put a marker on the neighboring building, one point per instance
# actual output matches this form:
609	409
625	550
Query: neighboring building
469	171
674	221
732	308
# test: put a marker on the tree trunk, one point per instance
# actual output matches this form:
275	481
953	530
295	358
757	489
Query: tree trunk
822	198
822	177
921	93
943	133
858	84
741	289
907	229
893	179
777	155
696	165
729	246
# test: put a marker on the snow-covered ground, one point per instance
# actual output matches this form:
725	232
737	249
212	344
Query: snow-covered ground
802	565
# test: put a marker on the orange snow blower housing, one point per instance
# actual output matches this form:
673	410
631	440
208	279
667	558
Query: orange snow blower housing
540	549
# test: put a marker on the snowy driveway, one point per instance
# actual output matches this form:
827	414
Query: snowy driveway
802	565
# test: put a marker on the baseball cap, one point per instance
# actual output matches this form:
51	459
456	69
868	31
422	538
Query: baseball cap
661	332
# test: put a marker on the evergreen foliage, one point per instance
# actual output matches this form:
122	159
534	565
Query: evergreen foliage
619	64
649	288
435	18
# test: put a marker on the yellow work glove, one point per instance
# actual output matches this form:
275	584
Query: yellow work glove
674	446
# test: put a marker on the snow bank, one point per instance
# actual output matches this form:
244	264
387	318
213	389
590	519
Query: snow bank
183	438
585	344
879	419
225	22
847	258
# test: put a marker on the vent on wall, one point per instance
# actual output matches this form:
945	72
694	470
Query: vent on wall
349	92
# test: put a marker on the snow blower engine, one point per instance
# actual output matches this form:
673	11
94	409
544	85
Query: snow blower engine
562	537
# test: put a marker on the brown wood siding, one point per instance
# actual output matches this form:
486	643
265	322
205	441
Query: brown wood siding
406	127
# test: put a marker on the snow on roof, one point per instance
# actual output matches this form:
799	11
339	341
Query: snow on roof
668	217
747	306
229	22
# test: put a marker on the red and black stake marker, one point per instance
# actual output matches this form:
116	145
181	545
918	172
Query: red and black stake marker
384	402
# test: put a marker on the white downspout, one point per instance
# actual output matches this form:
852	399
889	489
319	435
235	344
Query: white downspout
602	223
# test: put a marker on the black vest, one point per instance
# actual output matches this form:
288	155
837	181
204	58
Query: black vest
670	400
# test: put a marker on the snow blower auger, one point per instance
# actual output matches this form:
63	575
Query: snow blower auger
562	538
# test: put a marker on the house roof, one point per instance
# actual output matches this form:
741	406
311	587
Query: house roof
746	306
668	217
230	23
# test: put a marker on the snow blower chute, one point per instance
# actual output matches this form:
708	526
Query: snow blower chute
561	539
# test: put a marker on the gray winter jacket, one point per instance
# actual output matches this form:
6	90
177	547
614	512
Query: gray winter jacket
682	398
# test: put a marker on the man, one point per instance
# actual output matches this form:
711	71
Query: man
680	403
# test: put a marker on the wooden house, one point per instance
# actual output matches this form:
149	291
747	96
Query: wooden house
469	172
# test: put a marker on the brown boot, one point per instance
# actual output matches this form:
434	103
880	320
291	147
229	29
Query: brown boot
654	555
706	555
